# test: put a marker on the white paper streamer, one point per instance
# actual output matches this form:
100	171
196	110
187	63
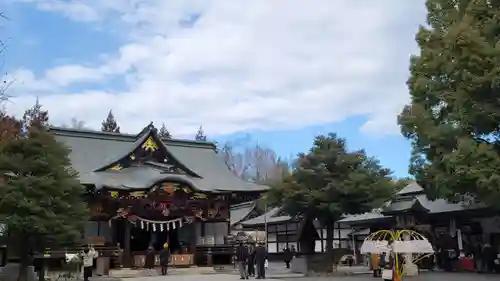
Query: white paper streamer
160	225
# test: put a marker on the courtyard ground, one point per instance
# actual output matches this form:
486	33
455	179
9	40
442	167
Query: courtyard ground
428	276
435	276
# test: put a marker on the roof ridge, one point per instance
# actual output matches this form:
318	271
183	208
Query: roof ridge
243	204
94	134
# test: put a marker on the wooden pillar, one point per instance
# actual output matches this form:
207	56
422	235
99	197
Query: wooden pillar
209	257
193	239
127	253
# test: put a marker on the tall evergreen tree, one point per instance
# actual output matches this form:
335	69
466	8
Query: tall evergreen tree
41	199
200	135
453	120
164	133
110	124
331	181
35	116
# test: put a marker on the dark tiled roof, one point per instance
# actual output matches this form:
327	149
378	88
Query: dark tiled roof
412	188
241	211
272	216
362	218
91	151
404	205
413	197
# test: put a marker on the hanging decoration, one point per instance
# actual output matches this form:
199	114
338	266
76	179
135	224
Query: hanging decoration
163	225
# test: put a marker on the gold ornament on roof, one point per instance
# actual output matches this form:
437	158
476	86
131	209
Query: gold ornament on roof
150	145
132	156
116	167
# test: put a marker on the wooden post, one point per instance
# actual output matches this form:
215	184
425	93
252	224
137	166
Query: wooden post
127	254
209	257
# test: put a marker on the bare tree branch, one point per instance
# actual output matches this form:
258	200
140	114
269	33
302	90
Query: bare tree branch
254	163
4	81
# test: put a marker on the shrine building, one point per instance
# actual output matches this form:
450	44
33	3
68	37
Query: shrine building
145	191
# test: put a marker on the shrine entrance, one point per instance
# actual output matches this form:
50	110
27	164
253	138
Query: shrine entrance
142	238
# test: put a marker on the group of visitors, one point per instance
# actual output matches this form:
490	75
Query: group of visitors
164	254
486	258
249	257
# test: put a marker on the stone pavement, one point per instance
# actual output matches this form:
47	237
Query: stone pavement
211	277
427	276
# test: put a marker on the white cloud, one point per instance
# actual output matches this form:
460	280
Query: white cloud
242	65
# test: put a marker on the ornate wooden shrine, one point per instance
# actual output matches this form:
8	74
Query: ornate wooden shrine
147	191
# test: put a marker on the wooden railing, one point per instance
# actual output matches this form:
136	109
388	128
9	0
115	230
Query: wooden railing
103	251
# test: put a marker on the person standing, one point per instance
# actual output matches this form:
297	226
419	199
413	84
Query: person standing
287	256
119	256
242	259
88	255
260	258
164	259
149	263
488	258
251	260
294	252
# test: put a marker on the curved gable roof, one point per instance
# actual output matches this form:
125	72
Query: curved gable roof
92	151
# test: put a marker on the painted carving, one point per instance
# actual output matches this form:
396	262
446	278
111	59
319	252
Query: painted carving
150	145
169	189
96	210
168	200
116	167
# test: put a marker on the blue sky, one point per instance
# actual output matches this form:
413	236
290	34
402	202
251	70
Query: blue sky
279	72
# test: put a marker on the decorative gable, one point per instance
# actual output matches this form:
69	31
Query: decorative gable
148	150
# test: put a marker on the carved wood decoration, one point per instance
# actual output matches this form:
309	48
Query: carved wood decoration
166	201
150	152
97	211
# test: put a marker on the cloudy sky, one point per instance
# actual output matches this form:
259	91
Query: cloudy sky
280	71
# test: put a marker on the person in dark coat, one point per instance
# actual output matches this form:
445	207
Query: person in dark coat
287	256
488	258
242	259
164	259
260	259
149	263
251	260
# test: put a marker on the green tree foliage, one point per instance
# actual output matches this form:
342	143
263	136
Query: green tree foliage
453	120
164	133
200	135
42	199
110	124
331	181
36	116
